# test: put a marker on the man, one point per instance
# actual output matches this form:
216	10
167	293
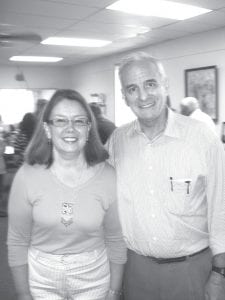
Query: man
171	183
190	107
105	126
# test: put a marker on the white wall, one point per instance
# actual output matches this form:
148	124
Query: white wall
96	77
36	77
199	50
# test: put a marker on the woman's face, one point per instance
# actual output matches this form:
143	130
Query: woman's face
69	128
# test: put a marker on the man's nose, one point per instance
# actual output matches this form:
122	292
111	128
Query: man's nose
143	94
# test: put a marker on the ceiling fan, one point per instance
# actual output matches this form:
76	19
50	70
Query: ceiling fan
8	40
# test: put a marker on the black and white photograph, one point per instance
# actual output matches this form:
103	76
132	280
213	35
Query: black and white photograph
112	150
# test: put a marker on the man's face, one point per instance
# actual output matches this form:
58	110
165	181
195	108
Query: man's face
144	90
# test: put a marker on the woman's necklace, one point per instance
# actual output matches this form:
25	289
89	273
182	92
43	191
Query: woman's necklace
70	179
67	207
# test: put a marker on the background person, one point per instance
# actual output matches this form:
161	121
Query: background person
23	137
171	183
63	221
105	127
189	106
39	108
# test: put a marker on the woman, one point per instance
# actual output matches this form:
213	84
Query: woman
63	221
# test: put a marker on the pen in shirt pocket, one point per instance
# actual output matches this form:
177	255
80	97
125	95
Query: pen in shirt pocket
171	184
182	180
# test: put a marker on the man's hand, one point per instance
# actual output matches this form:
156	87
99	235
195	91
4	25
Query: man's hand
112	296
215	287
24	297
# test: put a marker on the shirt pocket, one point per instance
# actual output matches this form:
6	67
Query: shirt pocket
179	196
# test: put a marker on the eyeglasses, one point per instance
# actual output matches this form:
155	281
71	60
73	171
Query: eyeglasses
77	122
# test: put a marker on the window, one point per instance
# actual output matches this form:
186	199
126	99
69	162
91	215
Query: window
14	104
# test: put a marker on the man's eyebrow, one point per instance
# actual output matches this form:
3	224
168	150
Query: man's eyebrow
151	80
130	85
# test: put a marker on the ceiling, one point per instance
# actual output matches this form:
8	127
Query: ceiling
90	19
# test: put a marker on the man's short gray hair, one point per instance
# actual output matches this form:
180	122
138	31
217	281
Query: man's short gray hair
140	56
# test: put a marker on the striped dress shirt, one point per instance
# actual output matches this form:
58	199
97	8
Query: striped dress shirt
170	191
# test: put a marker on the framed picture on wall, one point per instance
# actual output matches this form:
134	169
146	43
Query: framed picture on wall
201	83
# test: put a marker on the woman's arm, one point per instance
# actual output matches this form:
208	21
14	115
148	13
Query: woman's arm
116	249
115	244
116	279
19	234
20	277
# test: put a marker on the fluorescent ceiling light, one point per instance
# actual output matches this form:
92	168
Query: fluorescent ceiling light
36	58
158	8
62	41
140	29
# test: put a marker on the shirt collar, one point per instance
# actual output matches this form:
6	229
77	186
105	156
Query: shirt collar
172	130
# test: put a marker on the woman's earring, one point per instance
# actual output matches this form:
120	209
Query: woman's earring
88	132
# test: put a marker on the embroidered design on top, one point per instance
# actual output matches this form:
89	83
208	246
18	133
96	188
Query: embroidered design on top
67	213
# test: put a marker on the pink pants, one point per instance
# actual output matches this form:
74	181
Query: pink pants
84	276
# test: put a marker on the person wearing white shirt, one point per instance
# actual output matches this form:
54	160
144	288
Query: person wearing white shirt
171	182
190	107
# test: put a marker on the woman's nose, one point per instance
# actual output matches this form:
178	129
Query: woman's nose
70	127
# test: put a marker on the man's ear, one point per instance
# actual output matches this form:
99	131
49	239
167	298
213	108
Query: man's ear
47	130
166	84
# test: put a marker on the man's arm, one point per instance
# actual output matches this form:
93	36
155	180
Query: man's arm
215	288
219	260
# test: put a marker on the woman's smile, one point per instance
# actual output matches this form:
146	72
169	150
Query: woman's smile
70	140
